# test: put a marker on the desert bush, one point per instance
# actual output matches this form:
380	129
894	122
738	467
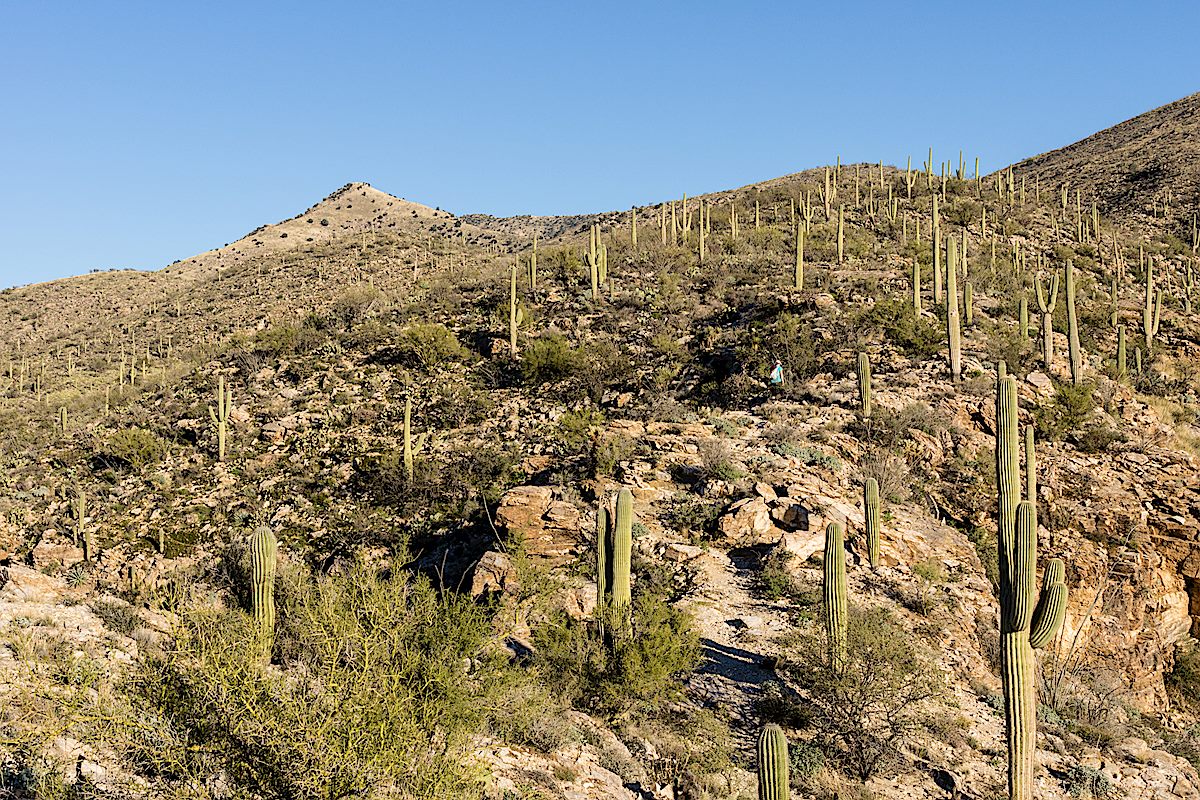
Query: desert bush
548	358
610	668
1072	407
356	304
429	345
134	447
864	712
381	685
717	463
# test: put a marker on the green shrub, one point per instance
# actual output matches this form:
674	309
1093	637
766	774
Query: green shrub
429	345
118	617
1072	407
623	670
549	357
865	712
135	447
381	687
716	462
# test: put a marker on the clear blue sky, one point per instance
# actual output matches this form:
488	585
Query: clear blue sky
135	133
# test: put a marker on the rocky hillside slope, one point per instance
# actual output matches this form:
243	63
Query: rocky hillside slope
460	571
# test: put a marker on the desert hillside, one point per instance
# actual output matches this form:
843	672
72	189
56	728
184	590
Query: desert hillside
384	501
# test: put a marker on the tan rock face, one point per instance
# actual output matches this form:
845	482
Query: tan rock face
549	528
748	522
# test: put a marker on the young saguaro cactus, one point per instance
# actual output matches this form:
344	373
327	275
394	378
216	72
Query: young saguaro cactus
263	560
864	384
834	591
1076	355
871	519
410	446
773	764
1022	625
220	414
603	559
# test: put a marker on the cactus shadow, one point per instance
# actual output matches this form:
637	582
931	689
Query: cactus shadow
734	663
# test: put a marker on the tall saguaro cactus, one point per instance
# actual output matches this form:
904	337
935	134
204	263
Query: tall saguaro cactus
614	552
953	329
1022	625
262	582
773	764
799	276
1046	302
834	587
1073	350
220	414
864	384
871	519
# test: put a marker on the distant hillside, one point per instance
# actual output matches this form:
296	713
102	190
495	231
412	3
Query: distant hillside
1132	166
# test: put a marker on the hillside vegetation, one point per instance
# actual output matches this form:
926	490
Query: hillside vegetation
384	502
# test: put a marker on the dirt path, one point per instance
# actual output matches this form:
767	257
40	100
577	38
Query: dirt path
738	630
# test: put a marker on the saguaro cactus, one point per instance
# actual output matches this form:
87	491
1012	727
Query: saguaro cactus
1152	311
871	519
953	330
220	414
864	384
1023	317
603	558
936	239
1020	620
773	764
622	549
262	582
1073	350
1122	370
799	276
835	593
514	313
1046	302
841	248
410	447
916	284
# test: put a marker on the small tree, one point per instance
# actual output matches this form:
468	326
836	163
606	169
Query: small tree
866	709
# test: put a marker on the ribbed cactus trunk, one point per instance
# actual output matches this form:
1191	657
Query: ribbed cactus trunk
1023	317
864	384
1073	350
916	284
1017	546
622	551
936	239
512	313
220	414
1122	369
773	764
262	584
953	329
1046	303
841	237
834	586
799	276
871	519
407	441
